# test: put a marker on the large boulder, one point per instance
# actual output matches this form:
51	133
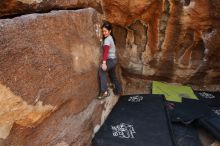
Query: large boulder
48	78
11	8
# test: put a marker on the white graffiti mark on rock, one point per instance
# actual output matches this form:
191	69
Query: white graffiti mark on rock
136	98
217	112
206	95
123	131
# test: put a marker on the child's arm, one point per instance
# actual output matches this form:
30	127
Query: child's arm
105	53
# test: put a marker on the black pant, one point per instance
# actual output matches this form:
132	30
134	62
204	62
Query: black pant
111	65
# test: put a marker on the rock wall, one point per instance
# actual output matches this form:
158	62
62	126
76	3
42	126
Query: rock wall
169	40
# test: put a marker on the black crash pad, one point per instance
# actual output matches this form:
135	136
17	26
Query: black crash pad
186	135
211	123
188	111
136	120
212	99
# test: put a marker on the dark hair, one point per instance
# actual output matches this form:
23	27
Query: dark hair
108	27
